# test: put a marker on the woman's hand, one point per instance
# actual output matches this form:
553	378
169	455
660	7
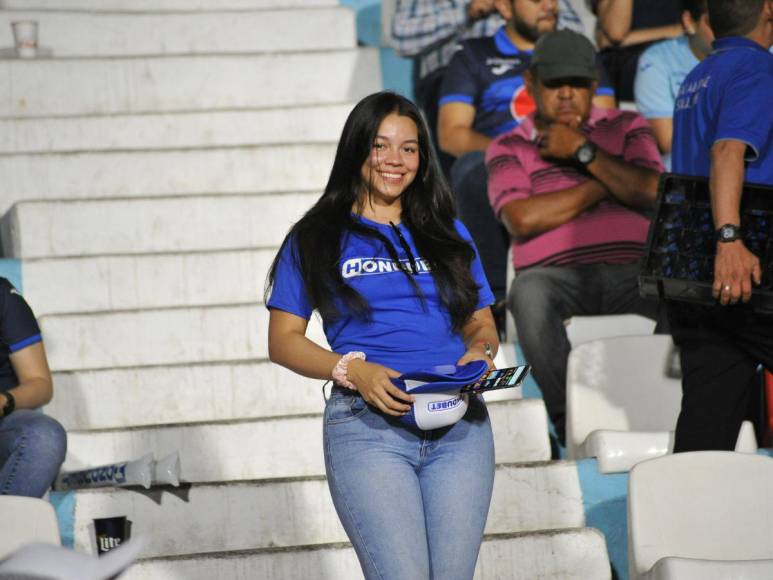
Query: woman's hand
374	384
476	353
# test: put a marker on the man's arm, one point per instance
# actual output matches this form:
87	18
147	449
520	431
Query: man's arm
510	188
540	213
614	18
663	129
604	101
35	387
631	184
455	133
734	265
651	34
417	24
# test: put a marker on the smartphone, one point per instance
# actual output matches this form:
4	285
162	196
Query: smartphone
499	379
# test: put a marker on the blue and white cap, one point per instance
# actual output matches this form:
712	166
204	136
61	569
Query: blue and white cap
439	402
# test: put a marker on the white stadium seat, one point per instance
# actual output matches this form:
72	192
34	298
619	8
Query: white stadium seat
25	520
701	516
623	400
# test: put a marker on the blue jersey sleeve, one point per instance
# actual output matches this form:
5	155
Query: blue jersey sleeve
605	88
485	295
18	327
745	114
459	81
288	292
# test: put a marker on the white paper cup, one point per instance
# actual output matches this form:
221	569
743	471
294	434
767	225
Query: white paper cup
25	34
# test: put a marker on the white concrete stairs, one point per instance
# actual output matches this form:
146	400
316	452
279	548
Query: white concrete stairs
152	160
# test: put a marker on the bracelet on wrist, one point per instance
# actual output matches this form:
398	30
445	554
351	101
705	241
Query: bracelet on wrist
487	350
341	370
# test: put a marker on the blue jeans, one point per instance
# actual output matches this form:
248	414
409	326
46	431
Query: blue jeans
413	503
469	181
32	448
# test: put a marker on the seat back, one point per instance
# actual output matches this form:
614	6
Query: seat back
581	329
24	520
707	504
623	383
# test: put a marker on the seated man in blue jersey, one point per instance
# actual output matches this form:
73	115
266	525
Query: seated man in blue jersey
663	67
32	445
723	130
427	31
483	96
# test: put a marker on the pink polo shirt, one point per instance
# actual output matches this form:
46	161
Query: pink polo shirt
607	232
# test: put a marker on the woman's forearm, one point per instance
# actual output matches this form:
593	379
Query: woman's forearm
289	346
303	356
481	330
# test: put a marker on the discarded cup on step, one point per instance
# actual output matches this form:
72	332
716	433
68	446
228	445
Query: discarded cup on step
25	34
110	533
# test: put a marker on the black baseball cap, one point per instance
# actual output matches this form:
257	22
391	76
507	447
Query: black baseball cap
564	54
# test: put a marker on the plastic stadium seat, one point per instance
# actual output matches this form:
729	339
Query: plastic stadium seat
623	400
25	520
583	329
701	516
621	384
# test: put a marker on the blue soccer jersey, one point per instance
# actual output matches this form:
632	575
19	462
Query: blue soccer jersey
727	96
18	330
402	333
488	74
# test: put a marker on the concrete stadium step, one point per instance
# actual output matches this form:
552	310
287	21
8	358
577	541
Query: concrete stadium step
68	34
123	398
576	554
250	515
307	124
95	86
113	283
280	447
160	337
235	170
158	5
145	396
58	229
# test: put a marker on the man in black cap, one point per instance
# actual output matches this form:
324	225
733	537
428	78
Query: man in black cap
570	184
483	96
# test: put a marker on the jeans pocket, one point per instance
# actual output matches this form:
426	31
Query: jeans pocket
343	408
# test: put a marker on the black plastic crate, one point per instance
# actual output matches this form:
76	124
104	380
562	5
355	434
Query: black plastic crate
679	260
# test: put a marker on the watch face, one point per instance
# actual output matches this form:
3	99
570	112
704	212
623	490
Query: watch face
729	233
585	153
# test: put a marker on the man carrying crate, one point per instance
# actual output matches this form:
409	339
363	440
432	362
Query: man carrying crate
723	130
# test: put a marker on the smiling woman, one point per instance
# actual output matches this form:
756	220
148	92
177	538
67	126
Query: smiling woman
390	168
399	286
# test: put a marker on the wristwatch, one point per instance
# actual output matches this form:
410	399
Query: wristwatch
728	233
487	350
10	404
585	153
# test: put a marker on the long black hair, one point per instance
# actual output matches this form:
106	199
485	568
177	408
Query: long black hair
428	212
